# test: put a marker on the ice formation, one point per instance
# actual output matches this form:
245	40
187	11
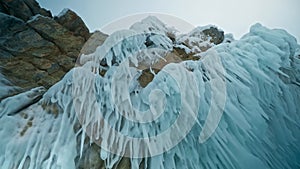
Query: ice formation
258	127
150	24
14	104
196	40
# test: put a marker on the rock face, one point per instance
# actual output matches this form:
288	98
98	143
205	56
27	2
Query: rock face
36	49
93	42
41	127
49	29
23	9
73	23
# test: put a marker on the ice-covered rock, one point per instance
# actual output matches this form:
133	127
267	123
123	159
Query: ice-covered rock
235	107
14	104
201	39
150	24
132	44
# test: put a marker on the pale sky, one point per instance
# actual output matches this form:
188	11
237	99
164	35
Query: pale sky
233	16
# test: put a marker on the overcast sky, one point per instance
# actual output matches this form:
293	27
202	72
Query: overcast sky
233	16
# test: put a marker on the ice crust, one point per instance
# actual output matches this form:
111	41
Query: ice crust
259	127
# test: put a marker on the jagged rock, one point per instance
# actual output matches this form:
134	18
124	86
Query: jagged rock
209	32
36	9
201	39
23	9
10	25
216	35
37	52
73	23
96	39
54	32
41	50
18	39
21	49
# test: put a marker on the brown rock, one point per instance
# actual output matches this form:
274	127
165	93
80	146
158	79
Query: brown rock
66	62
96	39
124	163
54	32
146	77
73	23
20	72
41	63
176	56
91	158
38	52
36	9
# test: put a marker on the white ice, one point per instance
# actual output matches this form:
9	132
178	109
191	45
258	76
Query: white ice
259	126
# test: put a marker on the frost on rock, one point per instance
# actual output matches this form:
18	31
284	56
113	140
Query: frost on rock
41	135
258	128
14	104
260	114
150	24
130	44
201	39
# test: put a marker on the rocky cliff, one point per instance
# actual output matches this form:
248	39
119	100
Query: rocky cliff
51	113
37	49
